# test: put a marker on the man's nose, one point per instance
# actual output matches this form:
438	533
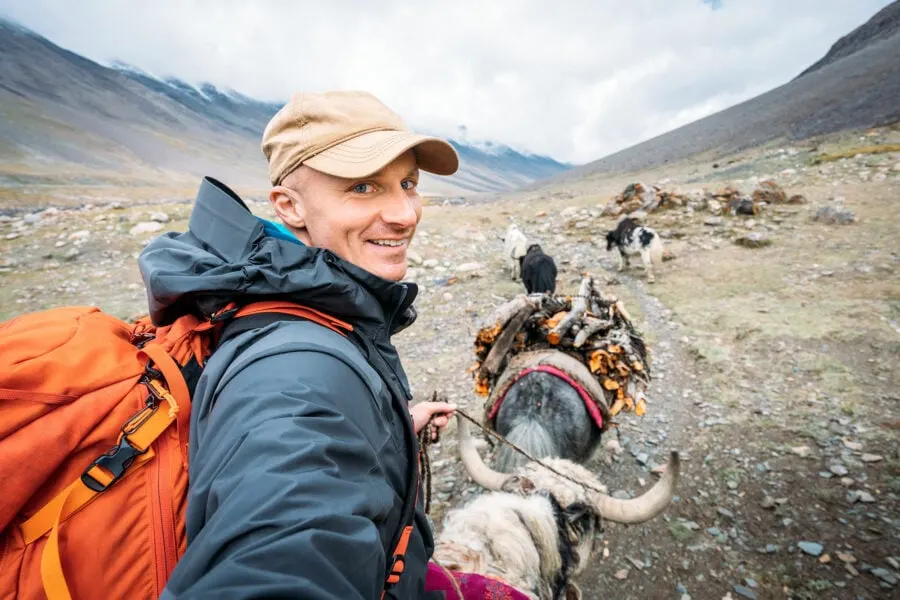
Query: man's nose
400	209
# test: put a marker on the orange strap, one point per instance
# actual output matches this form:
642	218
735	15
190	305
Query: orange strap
138	434
398	556
74	497
289	308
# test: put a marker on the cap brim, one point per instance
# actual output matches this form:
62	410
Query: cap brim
369	153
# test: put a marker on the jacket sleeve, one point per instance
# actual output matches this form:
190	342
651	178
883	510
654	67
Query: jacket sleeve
290	486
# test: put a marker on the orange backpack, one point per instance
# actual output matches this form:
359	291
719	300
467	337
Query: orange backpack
94	417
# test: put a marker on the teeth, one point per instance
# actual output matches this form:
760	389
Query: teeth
388	242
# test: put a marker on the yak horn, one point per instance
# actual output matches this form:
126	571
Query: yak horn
644	507
480	473
640	509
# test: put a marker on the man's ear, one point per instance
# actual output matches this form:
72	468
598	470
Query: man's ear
288	206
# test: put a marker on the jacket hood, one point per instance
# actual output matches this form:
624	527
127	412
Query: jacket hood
227	255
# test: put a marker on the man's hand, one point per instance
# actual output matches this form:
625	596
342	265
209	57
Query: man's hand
422	412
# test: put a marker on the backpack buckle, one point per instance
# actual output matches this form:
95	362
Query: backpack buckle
398	565
113	462
223	315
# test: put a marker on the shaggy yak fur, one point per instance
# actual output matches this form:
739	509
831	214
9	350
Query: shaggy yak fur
536	530
538	271
630	239
546	416
515	245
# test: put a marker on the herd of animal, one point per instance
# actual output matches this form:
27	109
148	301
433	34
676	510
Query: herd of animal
535	528
537	270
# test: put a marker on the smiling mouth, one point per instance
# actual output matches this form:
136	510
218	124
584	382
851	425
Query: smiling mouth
389	243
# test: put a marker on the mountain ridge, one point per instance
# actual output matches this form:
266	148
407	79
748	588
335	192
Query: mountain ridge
884	24
63	112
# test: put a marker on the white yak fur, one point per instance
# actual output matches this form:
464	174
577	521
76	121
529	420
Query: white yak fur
514	536
515	246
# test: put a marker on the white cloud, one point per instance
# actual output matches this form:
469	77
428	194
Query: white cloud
576	80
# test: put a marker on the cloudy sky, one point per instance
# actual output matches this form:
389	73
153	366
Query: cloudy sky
576	79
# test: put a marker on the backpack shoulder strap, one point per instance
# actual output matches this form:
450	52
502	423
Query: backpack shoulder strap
397	560
241	325
260	314
284	308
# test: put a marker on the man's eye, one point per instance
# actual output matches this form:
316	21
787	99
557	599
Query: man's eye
362	188
409	184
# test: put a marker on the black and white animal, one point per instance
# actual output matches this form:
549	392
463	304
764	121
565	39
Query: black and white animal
630	239
538	271
515	245
544	410
536	530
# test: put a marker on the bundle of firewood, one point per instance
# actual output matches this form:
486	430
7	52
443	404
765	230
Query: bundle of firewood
592	326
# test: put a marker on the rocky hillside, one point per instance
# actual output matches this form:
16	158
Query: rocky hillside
882	26
773	343
67	118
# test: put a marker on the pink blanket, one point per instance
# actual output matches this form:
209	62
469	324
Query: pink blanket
473	587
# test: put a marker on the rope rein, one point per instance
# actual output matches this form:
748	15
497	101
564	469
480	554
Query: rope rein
429	435
425	463
503	440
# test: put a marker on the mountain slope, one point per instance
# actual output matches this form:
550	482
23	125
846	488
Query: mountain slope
63	116
857	87
883	25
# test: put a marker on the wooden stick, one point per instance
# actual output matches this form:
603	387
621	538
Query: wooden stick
505	312
591	326
579	304
491	364
549	306
620	308
604	297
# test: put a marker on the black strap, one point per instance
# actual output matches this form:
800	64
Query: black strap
191	371
408	515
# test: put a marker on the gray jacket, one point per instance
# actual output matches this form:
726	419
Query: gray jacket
301	445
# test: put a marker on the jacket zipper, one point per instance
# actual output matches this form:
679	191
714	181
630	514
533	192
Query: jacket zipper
166	550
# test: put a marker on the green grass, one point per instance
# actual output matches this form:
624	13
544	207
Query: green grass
680	532
851	152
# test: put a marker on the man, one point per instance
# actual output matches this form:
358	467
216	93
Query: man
302	447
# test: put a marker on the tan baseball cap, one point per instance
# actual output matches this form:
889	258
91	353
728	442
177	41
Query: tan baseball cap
346	134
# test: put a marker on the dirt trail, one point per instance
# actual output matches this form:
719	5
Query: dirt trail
760	512
645	443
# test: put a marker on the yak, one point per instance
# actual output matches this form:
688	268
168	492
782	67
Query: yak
534	529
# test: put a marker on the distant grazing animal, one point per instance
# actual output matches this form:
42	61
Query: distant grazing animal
631	238
536	530
538	271
515	245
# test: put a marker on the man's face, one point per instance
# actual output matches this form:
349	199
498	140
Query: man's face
369	222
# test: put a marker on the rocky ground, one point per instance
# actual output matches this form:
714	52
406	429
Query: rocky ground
777	364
